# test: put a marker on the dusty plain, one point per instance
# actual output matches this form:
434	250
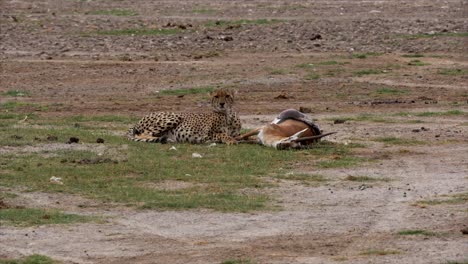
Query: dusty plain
370	70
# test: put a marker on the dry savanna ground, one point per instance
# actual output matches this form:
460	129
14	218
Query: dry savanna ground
390	77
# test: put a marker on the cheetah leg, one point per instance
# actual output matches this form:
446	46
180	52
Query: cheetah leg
224	138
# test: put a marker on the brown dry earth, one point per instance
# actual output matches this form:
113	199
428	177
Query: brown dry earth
49	48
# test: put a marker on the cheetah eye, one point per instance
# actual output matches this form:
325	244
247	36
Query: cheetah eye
227	96
216	96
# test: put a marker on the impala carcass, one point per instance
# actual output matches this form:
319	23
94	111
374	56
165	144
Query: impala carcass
291	129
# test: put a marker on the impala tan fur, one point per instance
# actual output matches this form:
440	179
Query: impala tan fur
291	129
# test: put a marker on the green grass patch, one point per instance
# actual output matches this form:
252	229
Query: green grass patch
139	32
33	259
128	175
364	179
277	71
431	114
197	90
415	55
390	91
452	72
312	76
132	173
37	134
302	177
380	252
341	162
219	23
32	217
460	198
114	12
417	63
446	113
322	63
204	11
366	54
16	93
103	118
399	141
306	65
365	118
367	72
415	232
20	106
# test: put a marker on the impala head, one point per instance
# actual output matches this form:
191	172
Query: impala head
222	100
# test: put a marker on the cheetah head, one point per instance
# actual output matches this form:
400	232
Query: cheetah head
222	100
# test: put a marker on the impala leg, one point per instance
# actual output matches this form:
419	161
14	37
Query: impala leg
248	134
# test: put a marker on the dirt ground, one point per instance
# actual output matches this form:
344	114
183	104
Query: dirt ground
50	49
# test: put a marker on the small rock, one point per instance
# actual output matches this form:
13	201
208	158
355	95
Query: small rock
316	36
52	138
464	231
305	110
339	121
283	95
226	38
73	140
173	148
212	145
196	155
56	180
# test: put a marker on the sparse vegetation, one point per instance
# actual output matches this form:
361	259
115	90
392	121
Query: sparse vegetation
32	217
204	11
415	55
139	31
399	141
312	76
452	72
367	72
238	261
430	114
438	34
307	178
277	71
242	22
390	91
453	199
197	90
365	55
114	12
380	252
415	232
341	162
16	93
216	178
417	63
33	259
364	179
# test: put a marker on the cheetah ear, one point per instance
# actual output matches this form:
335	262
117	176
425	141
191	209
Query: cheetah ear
234	92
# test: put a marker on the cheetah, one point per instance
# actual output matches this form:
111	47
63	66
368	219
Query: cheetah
220	125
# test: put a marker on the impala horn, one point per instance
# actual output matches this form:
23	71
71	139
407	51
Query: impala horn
313	137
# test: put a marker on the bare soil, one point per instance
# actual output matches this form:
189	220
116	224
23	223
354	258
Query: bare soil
50	49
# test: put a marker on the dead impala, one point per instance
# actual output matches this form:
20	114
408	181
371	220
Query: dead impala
291	129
